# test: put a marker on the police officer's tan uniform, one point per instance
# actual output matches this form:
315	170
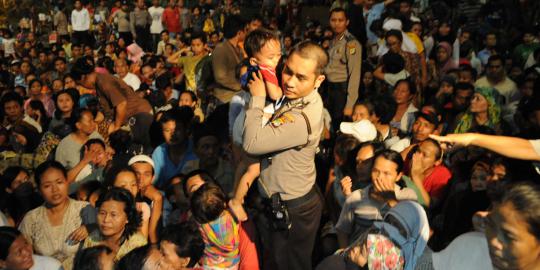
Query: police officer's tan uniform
343	74
288	142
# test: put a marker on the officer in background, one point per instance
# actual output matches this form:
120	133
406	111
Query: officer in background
286	147
343	69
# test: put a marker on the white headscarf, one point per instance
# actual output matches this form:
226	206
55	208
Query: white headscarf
407	44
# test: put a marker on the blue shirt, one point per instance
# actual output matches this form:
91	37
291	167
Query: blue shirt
371	15
164	168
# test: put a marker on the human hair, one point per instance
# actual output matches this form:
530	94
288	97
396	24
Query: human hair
121	195
463	86
257	39
71	94
394	33
9	175
410	84
525	199
203	130
495	57
208	203
60	59
187	240
204	175
344	144
393	62
310	50
88	258
90	142
392	156
135	259
200	36
233	24
338	9
190	93
35	81
8	235
12	96
439	153
468	68
384	108
43	167
83	66
366	103
77	116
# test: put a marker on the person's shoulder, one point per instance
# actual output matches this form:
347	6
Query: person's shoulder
79	204
32	215
45	263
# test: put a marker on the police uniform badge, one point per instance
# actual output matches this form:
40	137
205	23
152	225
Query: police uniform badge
283	119
352	48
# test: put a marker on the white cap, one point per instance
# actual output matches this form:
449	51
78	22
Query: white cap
392	24
141	158
363	130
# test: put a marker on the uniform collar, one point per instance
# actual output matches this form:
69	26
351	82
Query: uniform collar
304	100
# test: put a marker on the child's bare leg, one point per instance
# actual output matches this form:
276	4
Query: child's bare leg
252	172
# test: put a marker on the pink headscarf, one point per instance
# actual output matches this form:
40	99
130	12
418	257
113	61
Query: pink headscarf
449	63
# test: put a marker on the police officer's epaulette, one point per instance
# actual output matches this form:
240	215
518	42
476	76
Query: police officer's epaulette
349	37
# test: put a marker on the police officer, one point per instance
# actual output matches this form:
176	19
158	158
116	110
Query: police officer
287	146
343	69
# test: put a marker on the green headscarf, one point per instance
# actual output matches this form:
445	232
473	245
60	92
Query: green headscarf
494	110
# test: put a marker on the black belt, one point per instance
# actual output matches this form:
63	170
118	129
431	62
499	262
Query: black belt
303	199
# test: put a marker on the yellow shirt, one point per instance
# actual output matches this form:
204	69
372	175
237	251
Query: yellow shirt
188	63
417	41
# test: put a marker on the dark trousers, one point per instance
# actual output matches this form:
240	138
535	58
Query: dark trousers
155	41
337	99
292	249
127	37
140	127
143	38
81	38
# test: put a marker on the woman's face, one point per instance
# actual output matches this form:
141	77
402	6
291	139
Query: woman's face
360	112
417	29
402	93
86	124
479	104
394	44
128	181
19	255
444	29
65	103
69	83
479	179
442	55
511	244
168	130
53	187
112	218
35	89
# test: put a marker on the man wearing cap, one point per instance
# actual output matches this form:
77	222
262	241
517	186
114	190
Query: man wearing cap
287	147
143	166
343	69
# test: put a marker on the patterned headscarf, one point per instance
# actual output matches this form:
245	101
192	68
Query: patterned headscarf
383	254
494	110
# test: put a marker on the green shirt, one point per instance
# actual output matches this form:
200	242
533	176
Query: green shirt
410	184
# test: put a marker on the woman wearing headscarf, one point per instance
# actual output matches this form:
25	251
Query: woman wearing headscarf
444	60
485	110
398	242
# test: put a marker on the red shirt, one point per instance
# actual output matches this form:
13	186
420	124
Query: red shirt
436	181
171	20
248	251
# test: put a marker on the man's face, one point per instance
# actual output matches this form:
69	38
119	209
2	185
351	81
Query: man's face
165	36
121	68
465	76
299	77
148	73
385	170
338	22
197	46
19	254
60	66
495	70
422	128
428	154
254	25
491	41
404	8
144	172
207	149
462	99
78	5
76	51
13	111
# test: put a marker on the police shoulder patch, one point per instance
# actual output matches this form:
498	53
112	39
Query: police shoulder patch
352	48
283	119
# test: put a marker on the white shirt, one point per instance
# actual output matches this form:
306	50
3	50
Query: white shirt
156	13
80	20
45	263
133	81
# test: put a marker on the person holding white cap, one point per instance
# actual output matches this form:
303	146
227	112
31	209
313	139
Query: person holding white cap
143	166
363	130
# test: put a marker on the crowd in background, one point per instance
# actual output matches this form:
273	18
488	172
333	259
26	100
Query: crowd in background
125	137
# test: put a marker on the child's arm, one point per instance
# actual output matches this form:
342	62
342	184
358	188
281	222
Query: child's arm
378	73
273	90
271	82
247	179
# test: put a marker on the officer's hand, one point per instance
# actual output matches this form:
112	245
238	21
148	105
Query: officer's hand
238	210
256	85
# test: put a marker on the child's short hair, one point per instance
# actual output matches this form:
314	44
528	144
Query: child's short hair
256	40
208	203
393	63
190	93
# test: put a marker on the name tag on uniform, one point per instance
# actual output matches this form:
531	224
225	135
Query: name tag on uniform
283	119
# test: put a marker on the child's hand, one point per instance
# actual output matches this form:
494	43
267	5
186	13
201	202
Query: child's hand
238	210
256	85
346	185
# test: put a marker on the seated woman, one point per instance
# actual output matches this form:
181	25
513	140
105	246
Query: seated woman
118	222
485	110
17	253
404	94
66	102
35	92
56	228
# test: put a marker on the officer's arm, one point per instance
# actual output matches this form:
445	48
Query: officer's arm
260	140
354	65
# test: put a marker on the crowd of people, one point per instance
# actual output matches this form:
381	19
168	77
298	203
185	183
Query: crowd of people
394	134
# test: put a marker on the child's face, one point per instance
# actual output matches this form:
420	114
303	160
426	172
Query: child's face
270	54
127	181
368	78
185	100
360	113
197	46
